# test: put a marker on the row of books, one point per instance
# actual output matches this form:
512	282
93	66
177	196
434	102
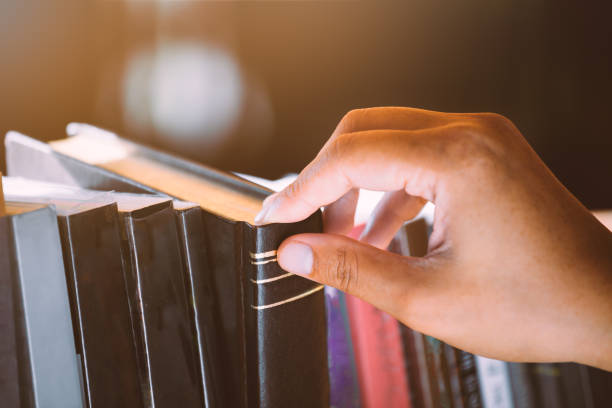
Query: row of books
132	278
375	361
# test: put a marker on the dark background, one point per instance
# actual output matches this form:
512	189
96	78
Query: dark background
301	65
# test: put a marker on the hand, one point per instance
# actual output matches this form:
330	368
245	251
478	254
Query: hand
517	269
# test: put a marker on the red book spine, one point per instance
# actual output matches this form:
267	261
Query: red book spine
379	356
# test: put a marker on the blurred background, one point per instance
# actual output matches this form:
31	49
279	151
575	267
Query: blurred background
257	86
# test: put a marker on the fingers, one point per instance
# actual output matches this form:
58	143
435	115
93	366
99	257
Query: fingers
339	216
392	211
388	281
380	160
389	118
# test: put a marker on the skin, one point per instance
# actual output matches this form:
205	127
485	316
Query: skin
517	268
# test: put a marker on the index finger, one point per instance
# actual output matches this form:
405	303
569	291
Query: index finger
383	160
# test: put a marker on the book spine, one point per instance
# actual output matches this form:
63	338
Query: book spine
159	307
379	354
547	378
438	368
44	295
200	287
15	377
286	331
454	376
468	379
576	385
494	383
418	376
100	310
600	386
344	385
223	241
522	385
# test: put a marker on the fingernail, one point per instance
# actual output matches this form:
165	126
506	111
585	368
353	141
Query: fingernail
261	215
296	257
265	216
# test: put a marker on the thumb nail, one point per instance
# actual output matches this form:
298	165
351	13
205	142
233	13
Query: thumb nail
296	257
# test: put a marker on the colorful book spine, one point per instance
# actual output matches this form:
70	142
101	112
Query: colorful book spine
379	354
344	384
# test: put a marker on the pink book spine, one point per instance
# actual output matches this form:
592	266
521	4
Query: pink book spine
379	354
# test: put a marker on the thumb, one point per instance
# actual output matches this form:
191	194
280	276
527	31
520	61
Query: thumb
388	281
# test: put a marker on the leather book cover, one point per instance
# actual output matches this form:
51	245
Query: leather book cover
101	316
38	364
166	349
200	283
343	381
285	323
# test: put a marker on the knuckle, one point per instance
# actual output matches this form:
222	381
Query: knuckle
339	147
494	120
471	146
353	120
342	270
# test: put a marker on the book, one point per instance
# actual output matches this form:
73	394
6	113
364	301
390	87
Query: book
494	383
344	384
521	382
166	349
439	375
379	356
200	287
39	366
379	353
265	313
90	237
468	379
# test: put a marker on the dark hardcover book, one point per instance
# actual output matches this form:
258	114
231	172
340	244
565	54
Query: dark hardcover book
600	384
38	361
521	382
547	378
411	240
202	298
343	379
89	229
454	377
166	348
468	379
235	252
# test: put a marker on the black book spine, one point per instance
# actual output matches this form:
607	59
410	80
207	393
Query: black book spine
223	246
600	385
285	324
160	313
521	383
549	387
576	385
454	376
200	286
100	311
468	375
418	375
